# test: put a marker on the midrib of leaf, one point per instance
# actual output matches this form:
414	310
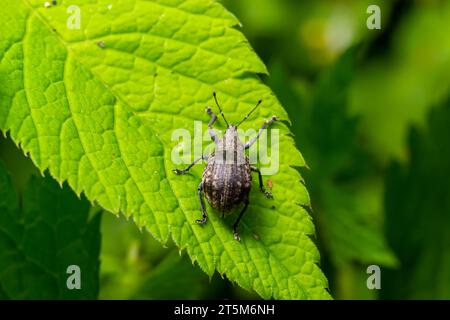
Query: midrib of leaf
204	246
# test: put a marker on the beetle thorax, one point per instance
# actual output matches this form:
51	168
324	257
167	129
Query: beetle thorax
230	149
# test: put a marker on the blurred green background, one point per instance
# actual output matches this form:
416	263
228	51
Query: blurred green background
370	113
370	110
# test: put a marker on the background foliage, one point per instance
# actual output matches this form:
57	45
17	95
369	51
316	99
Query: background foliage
370	113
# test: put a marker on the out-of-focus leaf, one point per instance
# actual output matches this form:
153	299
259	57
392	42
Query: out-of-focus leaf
418	214
19	167
331	131
399	87
128	255
175	278
353	225
41	237
135	266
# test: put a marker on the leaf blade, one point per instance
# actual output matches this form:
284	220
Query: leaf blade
42	238
112	139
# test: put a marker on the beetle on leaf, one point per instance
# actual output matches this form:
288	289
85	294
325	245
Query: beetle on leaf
227	178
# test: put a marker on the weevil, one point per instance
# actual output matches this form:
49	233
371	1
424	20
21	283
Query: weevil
227	179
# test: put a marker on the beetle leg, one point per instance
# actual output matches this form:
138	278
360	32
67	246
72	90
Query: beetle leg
183	171
211	131
267	123
202	204
261	184
235	233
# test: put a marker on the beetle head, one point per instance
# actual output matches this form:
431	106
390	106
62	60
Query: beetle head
231	126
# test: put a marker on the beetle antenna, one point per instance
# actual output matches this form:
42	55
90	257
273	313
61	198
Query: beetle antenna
220	109
251	111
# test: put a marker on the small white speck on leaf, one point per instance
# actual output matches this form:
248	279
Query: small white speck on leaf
101	44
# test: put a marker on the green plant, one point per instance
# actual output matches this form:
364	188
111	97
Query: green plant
417	202
96	108
41	235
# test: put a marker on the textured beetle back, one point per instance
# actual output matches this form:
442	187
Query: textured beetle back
226	185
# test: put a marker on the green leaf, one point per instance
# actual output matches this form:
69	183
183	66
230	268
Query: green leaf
353	225
41	237
175	278
127	256
97	107
417	214
409	89
135	266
